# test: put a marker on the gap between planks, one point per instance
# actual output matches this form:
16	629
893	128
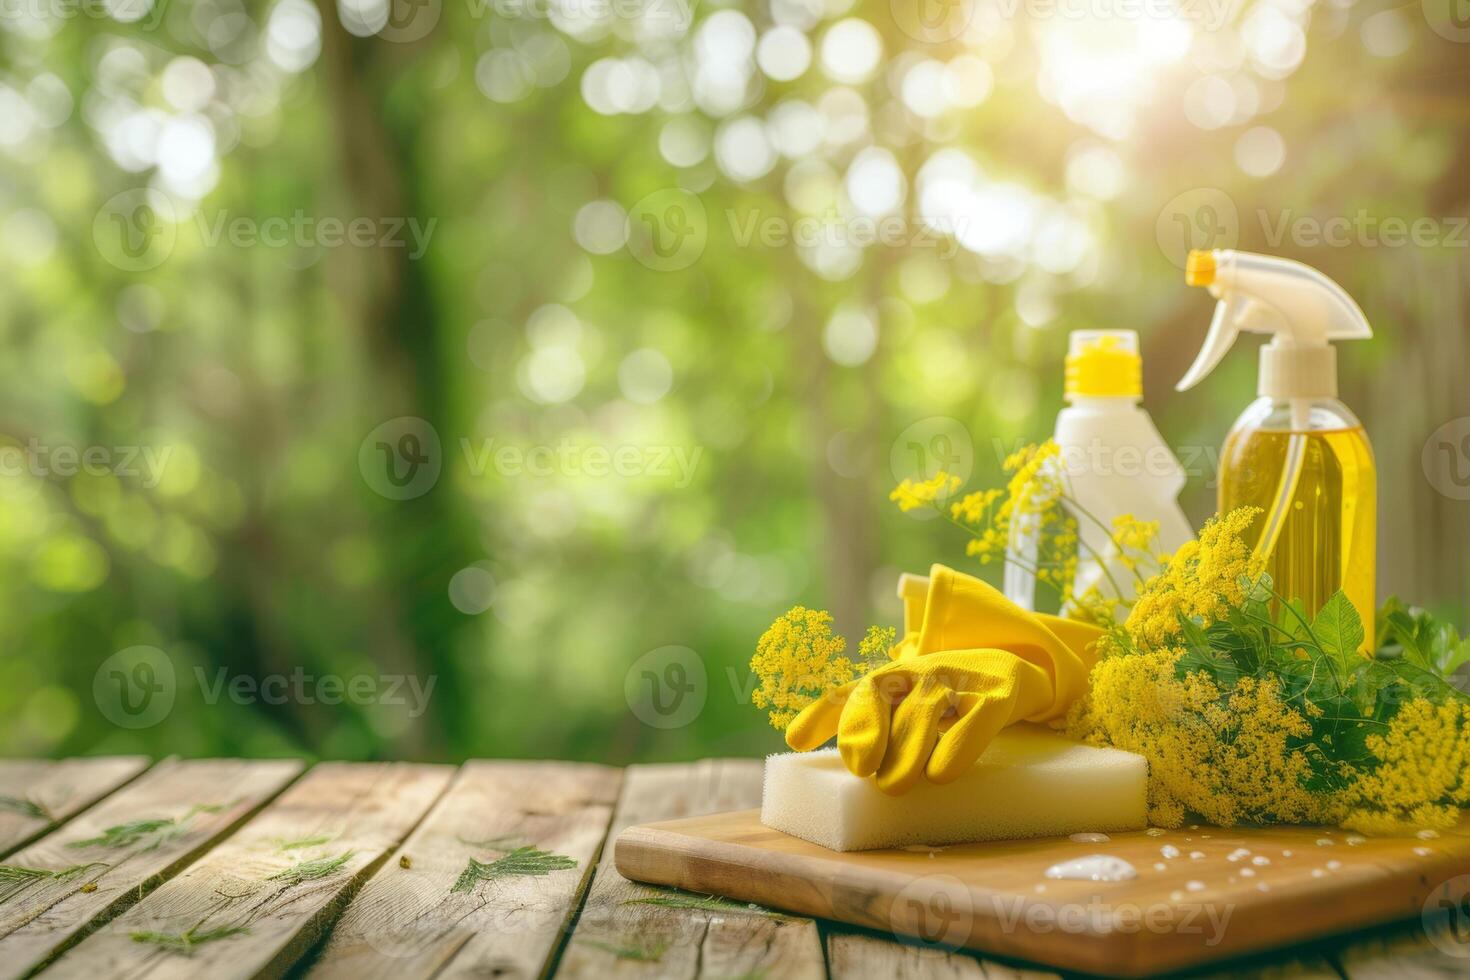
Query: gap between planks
122	848
415	919
257	902
37	796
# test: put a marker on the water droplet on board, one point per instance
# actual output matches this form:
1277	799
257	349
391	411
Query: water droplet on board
1156	831
1089	838
1195	886
1333	865
1260	860
1427	834
1169	851
1237	854
1196	855
1424	852
1263	887
1318	873
1247	873
1323	842
1286	854
1355	839
1093	867
1176	896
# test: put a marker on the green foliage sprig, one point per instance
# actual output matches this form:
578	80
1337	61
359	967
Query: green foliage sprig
187	941
313	869
521	861
152	832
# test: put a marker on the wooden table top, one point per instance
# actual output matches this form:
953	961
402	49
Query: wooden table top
124	866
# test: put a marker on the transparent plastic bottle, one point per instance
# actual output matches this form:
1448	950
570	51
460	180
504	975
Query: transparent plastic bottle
1308	465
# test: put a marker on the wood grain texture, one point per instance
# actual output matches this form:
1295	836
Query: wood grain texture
619	934
409	922
339	822
188	804
859	956
36	796
1179	912
1285	966
1408	953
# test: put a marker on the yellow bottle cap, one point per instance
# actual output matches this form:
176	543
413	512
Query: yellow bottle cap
1199	268
1102	364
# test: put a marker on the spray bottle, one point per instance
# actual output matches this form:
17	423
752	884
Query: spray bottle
1296	452
1114	462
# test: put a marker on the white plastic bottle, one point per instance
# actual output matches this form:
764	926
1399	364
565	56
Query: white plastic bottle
1114	462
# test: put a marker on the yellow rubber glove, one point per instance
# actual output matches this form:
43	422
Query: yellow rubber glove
977	664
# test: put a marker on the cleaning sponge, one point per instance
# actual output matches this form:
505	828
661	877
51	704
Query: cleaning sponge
1029	782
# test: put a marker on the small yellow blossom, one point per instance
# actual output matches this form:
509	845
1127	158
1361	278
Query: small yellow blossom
875	646
798	660
910	494
974	508
1423	774
1227	756
1201	581
1134	540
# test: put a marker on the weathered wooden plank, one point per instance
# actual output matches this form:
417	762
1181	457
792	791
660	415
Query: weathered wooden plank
630	929
861	956
410	922
1285	965
104	860
37	795
266	894
1408	953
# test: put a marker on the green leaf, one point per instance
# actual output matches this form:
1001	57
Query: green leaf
1217	666
24	807
313	869
1339	629
1456	657
187	941
521	861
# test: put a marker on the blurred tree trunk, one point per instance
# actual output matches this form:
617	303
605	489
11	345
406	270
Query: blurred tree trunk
388	295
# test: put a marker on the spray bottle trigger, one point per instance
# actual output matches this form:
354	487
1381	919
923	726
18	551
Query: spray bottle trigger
1223	330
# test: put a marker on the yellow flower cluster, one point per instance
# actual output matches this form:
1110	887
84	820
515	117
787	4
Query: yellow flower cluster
1224	755
924	493
1423	774
798	660
1134	539
1202	579
1033	494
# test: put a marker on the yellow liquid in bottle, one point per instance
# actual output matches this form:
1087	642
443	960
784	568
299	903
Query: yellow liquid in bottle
1327	535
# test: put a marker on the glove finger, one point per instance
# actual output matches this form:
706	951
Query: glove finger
915	729
862	734
980	719
817	722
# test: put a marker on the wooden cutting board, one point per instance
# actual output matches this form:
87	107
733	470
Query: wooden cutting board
1180	911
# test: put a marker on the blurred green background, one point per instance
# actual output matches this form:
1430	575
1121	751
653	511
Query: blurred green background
646	308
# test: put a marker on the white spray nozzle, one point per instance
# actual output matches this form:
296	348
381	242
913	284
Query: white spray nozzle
1302	308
